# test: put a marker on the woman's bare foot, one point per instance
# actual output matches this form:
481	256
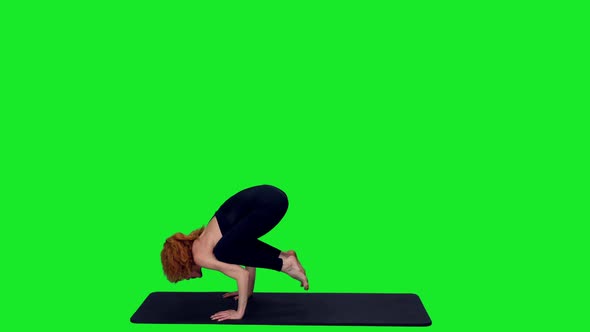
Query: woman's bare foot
293	269
293	253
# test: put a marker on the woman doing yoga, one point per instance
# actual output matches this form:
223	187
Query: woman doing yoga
229	240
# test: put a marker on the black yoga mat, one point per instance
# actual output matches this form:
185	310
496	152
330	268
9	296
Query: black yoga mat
368	309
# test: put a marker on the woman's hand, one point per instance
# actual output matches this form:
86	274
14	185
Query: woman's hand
227	314
226	295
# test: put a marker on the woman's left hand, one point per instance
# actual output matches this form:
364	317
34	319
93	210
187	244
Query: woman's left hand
227	314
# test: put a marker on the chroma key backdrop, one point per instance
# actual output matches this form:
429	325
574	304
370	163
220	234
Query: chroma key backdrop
433	148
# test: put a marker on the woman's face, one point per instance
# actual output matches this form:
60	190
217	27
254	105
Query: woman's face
196	272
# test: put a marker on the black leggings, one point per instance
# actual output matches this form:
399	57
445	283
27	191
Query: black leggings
243	218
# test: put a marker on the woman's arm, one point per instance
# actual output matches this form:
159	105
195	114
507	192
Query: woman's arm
242	280
251	279
233	271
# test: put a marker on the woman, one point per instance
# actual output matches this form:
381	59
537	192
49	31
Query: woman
229	240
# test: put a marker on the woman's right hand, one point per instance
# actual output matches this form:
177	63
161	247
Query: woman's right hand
226	295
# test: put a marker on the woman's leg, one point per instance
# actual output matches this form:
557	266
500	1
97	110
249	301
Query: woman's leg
259	254
240	245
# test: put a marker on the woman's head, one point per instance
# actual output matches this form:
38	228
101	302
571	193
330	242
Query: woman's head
177	257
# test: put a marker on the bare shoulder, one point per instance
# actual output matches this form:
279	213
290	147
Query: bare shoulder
203	254
203	246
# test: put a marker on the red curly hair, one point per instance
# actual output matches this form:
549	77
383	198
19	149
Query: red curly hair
177	256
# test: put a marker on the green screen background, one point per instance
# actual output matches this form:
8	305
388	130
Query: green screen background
431	148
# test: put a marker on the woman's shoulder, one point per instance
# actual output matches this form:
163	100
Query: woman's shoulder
201	254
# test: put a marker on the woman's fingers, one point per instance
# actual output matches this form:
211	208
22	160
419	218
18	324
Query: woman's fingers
226	295
220	316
